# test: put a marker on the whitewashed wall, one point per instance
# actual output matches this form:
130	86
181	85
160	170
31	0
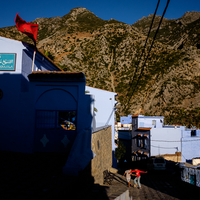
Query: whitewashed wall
165	141
145	121
104	102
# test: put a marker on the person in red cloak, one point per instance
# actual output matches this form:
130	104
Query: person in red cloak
137	178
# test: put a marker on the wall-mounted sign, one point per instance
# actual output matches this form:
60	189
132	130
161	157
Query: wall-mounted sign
7	61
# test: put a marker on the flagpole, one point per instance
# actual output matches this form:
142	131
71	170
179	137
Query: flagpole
33	59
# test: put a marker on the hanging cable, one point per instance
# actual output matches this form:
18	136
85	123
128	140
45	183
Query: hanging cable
145	43
148	53
164	147
175	141
143	48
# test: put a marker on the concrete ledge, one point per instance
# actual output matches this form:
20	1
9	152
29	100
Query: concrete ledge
113	170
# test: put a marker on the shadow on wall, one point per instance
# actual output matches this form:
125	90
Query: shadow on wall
12	99
114	160
189	161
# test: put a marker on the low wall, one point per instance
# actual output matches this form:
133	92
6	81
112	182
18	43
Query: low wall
195	161
173	157
190	175
102	147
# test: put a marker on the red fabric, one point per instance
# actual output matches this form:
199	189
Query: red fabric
138	172
27	28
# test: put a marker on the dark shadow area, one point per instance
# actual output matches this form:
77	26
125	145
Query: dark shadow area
189	161
165	182
39	176
119	179
161	184
180	46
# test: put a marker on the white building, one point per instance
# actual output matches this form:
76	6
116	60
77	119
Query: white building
103	111
165	140
190	141
150	137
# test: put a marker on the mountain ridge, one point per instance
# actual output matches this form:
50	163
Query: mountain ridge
108	53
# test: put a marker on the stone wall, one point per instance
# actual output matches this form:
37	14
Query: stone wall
102	147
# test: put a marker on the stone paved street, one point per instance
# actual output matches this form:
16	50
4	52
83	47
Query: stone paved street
155	185
26	178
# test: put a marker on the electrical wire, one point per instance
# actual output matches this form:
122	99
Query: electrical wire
144	44
148	53
143	49
167	140
175	141
164	147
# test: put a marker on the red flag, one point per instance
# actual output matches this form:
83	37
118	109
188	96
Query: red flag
27	28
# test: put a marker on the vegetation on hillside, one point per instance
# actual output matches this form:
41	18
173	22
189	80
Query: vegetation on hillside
108	53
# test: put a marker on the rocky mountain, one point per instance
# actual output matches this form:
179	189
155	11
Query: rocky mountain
109	53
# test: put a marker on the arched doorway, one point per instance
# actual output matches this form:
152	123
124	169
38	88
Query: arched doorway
55	121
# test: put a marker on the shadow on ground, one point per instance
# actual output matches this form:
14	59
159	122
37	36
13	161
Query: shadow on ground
33	176
162	184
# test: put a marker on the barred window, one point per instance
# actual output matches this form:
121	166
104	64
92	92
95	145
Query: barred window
56	120
45	119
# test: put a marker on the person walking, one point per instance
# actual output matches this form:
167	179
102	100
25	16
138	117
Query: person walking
128	177
137	178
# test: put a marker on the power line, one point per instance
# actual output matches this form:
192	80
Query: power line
164	147
145	44
175	141
164	141
148	52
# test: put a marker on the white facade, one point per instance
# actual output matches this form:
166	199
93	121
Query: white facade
168	139
150	122
126	120
104	109
165	140
190	145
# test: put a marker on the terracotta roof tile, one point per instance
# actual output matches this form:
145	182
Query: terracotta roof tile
144	129
135	115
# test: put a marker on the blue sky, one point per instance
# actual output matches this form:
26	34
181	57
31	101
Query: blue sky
127	11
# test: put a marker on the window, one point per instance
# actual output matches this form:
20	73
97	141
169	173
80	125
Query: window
141	124
134	158
45	119
154	123
139	142
145	142
193	132
56	120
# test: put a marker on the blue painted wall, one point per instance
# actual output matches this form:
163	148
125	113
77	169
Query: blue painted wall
21	98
